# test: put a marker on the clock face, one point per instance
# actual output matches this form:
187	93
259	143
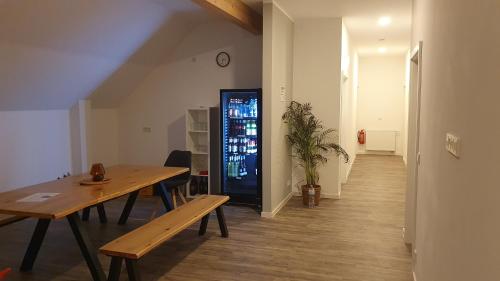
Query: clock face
223	59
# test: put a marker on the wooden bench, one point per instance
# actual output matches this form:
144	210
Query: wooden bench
8	219
137	243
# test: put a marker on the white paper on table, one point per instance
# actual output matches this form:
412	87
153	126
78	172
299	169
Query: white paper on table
38	197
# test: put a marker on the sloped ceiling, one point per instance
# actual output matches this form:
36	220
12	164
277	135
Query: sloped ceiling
55	52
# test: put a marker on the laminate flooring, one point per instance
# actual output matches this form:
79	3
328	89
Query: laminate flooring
356	238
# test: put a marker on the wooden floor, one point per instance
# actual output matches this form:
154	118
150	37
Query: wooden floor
355	238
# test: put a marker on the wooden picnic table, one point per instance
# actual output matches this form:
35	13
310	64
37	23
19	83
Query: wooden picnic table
65	197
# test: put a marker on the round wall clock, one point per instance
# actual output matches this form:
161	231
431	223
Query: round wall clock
223	59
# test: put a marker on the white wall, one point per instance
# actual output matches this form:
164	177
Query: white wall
34	147
316	79
81	136
348	134
75	139
104	136
458	208
382	96
188	78
277	73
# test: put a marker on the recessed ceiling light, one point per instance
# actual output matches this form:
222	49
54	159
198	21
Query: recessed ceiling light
384	21
382	50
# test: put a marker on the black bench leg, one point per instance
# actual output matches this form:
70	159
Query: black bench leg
86	214
88	250
35	244
128	207
102	213
132	270
115	269
166	196
222	222
203	225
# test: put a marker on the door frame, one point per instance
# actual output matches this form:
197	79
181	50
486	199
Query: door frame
413	152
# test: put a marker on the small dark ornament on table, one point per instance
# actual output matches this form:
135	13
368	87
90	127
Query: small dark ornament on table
97	172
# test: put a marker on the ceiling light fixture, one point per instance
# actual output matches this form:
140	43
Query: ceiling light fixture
384	21
382	50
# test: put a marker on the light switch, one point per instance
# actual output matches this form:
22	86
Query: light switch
453	144
282	93
146	129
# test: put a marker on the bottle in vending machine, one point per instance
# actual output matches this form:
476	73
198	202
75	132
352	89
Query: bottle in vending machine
236	109
255	108
248	131
236	166
230	167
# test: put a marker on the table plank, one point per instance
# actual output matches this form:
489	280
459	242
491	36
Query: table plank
74	197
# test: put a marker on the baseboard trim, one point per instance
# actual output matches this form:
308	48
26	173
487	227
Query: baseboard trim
330	196
278	208
353	158
323	195
376	152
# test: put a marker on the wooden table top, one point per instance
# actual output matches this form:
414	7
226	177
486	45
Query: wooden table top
73	197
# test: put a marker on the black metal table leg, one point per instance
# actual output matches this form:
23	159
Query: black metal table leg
35	244
89	252
166	196
128	207
102	213
86	214
203	225
115	269
132	270
222	222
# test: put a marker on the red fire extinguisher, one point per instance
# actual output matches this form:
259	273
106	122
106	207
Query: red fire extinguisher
3	273
362	137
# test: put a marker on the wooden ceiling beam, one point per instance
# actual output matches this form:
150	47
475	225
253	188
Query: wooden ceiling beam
236	11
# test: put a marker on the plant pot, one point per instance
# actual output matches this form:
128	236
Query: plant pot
305	194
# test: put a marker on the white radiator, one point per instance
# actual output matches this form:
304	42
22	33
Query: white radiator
381	140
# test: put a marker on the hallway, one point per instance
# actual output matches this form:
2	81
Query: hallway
357	238
360	236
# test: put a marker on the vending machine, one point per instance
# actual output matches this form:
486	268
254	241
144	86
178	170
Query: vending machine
241	145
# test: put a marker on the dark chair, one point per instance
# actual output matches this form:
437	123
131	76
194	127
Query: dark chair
177	158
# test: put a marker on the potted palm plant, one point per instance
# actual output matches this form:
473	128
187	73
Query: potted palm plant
311	144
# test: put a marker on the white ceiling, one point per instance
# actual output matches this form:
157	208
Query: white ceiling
360	17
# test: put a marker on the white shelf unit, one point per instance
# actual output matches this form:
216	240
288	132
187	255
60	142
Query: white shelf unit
198	142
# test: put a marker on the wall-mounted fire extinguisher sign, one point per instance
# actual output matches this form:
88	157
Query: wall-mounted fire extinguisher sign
362	137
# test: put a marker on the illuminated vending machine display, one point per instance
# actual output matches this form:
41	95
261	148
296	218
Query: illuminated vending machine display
241	143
